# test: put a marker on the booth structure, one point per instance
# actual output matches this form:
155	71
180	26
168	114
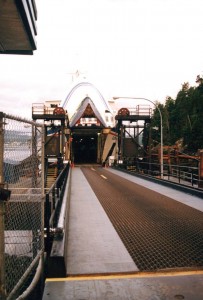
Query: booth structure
18	27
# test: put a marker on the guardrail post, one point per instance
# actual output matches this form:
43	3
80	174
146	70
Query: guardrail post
2	256
1	148
2	208
3	196
54	198
58	185
47	216
200	185
179	174
168	172
192	177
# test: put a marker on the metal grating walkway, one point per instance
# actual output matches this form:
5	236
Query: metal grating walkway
158	232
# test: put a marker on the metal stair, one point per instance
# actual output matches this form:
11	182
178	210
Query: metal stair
51	177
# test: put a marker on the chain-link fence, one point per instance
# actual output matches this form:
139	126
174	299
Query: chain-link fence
21	173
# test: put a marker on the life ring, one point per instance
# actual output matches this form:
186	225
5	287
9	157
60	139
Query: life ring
123	112
59	111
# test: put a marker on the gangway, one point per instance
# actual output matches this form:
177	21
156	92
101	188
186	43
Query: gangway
91	238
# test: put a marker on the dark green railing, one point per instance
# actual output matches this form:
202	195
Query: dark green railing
53	203
181	174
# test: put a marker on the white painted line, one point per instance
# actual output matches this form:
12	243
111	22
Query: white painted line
103	176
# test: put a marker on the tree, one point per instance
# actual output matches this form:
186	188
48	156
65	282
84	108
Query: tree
156	123
182	118
170	120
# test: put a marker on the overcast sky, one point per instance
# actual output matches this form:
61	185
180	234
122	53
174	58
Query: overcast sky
140	48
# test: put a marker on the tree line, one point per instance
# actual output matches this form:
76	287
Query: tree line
182	119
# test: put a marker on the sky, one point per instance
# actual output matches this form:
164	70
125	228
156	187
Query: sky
137	48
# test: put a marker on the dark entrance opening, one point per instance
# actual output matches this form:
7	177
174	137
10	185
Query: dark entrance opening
84	148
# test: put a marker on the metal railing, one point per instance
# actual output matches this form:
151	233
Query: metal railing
53	203
22	212
185	175
141	110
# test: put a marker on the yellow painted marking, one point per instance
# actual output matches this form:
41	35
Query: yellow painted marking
125	276
103	176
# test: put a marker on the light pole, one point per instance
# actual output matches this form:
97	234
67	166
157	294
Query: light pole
161	124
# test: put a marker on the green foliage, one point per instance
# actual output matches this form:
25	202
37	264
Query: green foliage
182	118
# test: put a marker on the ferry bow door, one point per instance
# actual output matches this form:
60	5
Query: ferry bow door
84	148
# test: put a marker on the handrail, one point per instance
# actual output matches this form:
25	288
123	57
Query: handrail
182	186
58	249
184	175
23	278
34	282
53	203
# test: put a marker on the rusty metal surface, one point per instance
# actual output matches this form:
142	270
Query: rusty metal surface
158	232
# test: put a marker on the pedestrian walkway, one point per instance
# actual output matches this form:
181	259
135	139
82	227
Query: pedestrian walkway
94	246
